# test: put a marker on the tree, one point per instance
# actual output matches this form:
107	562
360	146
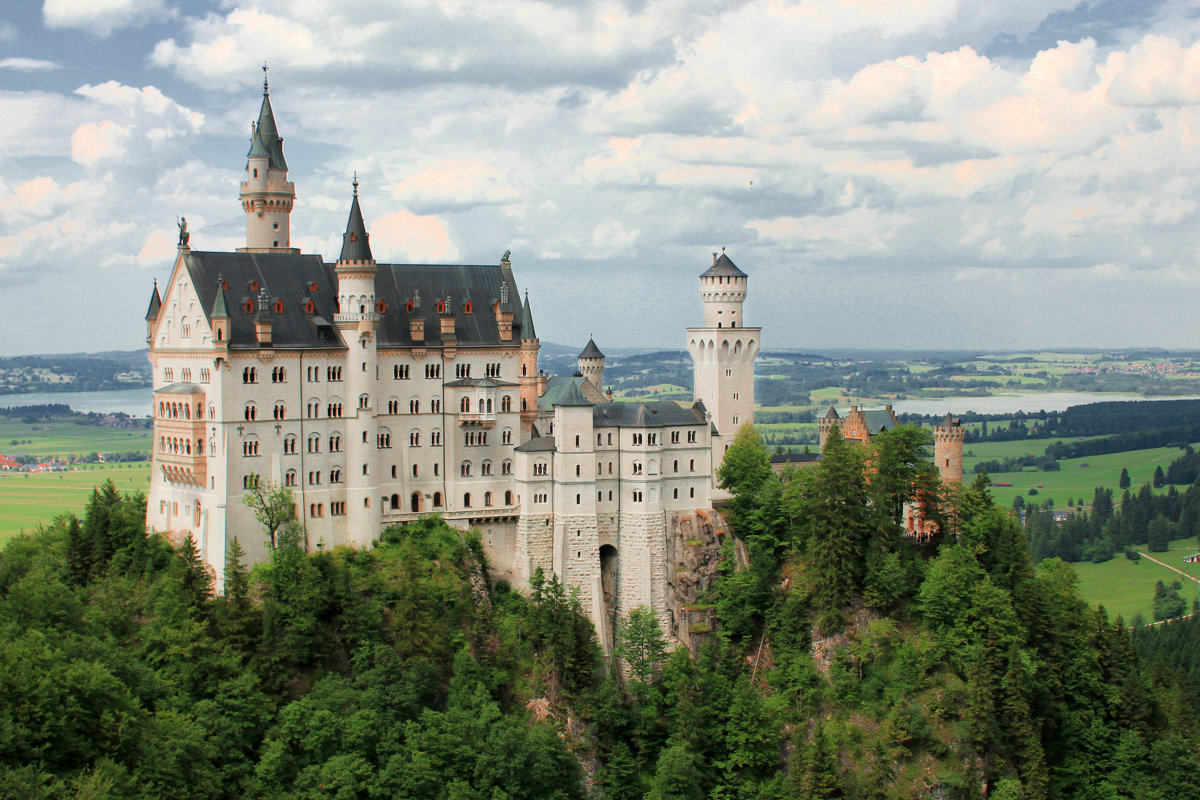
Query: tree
640	642
1160	479
273	507
746	463
1124	482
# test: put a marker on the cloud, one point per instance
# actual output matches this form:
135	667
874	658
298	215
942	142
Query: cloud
93	142
26	64
1156	72
101	17
404	237
454	183
158	248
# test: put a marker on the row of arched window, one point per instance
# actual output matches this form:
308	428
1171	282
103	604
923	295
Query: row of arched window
176	410
179	446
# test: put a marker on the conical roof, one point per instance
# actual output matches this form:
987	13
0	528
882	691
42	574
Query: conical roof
354	241
257	146
591	351
723	267
831	414
155	303
527	331
218	307
269	132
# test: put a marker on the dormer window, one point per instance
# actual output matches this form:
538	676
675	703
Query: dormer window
308	307
441	307
254	286
353	236
312	287
278	306
467	307
249	307
382	307
408	307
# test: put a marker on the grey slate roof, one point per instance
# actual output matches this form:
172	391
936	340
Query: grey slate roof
355	246
526	324
557	387
258	147
489	383
591	351
879	421
655	414
723	267
269	133
219	308
831	414
572	397
180	388
155	303
541	444
289	276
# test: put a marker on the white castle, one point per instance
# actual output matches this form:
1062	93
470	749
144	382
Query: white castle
382	392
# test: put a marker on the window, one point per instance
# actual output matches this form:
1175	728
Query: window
692	492
205	375
577	440
393	406
400	372
637	496
435	438
674	437
735	419
314	443
506	436
278	375
506	467
314	478
735	395
508	498
185	374
433	371
487	498
335	443
637	438
467	500
652	438
435	405
364	401
338	509
249	375
335	475
414	406
313	374
333	373
383	440
314	409
334	409
414	439
289	478
280	412
249	447
691	437
539	468
416	473
578	470
485	468
437	499
251	412
492	370
691	465
506	404
464	405
365	470
675	494
637	468
250	481
464	469
462	370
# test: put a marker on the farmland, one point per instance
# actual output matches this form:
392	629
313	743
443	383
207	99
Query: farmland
1126	588
29	498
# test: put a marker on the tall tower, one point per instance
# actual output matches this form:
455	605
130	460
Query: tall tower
723	353
948	449
357	319
591	365
529	368
267	195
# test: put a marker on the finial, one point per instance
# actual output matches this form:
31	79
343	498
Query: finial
722	249
265	68
156	283
355	184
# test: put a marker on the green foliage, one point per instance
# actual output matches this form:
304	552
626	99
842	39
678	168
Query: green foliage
640	642
274	508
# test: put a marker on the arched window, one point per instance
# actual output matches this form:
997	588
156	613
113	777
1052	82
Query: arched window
464	469
251	412
467	500
485	468
487	498
508	498
464	405
437	499
506	403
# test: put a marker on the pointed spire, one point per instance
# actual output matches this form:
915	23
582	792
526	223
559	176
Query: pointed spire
527	331
354	240
218	307
591	351
268	131
258	148
155	304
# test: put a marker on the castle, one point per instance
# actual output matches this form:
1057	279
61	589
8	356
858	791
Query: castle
381	392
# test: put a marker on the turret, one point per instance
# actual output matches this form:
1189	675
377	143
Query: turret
219	317
948	449
591	365
267	195
152	312
263	320
529	367
504	314
723	290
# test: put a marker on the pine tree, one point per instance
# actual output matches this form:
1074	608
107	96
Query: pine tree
837	520
1124	482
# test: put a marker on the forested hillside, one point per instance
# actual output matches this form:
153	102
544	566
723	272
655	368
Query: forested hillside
849	661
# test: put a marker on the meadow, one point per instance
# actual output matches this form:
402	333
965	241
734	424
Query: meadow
62	437
1126	588
27	499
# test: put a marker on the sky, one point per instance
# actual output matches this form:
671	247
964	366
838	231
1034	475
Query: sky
922	174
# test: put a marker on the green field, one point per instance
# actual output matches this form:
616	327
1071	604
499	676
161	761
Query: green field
1126	587
63	438
1074	480
27	499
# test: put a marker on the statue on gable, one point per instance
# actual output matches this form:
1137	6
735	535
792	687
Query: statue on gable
183	232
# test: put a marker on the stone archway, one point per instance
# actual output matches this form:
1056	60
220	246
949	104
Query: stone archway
608	587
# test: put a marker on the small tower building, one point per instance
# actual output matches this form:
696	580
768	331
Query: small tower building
948	449
591	365
267	194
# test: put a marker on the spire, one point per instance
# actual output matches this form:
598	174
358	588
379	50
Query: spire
572	396
268	131
591	351
527	331
155	304
354	240
258	148
218	307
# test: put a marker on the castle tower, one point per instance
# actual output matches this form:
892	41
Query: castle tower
948	449
723	353
358	320
591	365
267	195
152	312
528	378
824	425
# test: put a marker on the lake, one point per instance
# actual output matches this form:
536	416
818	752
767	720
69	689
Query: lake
1014	402
135	402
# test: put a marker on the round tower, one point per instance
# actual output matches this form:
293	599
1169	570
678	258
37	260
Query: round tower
528	378
358	321
267	195
948	449
723	353
591	365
